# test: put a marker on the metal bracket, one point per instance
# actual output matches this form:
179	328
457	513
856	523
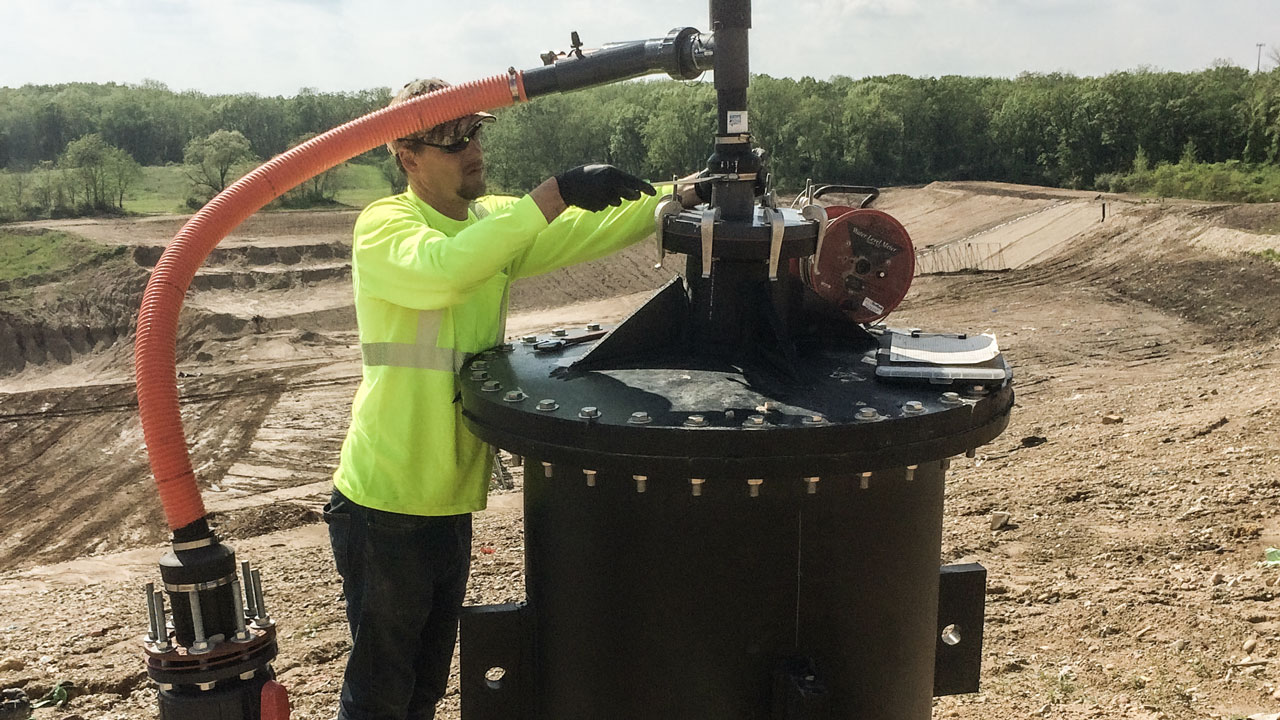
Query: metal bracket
962	596
778	225
818	214
709	218
669	206
493	638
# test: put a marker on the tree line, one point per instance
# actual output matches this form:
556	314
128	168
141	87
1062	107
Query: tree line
1045	129
1050	129
154	124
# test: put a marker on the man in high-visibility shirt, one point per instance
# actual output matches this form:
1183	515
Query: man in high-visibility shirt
431	269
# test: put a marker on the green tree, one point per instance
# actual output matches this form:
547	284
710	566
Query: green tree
392	174
319	189
103	172
214	161
87	159
13	191
264	122
123	172
679	132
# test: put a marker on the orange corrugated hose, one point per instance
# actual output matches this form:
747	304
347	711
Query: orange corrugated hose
155	349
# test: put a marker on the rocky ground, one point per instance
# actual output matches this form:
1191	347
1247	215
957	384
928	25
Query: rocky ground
1122	517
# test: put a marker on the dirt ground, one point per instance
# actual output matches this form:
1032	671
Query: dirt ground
1140	474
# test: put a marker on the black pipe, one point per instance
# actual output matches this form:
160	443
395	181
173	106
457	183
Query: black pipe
730	20
683	54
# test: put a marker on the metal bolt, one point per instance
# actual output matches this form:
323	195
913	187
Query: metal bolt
251	603
814	420
911	472
589	413
754	421
242	633
593	327
591	477
547	469
811	485
867	414
479	365
205	685
506	347
152	633
263	619
201	644
491	386
162	625
641	482
951	398
640	418
548	405
695	486
529	339
695	421
514	396
248	674
866	480
559	332
479	375
976	390
913	407
753	486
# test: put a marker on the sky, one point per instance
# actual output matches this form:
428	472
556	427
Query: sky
276	47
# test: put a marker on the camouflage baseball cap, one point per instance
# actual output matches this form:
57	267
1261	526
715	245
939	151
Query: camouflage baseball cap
445	133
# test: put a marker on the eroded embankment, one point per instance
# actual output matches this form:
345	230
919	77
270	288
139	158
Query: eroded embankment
86	310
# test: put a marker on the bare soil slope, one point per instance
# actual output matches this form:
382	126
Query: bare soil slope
1140	474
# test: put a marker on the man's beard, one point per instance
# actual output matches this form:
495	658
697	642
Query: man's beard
472	187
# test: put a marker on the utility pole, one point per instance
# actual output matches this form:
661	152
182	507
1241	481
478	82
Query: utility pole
1259	68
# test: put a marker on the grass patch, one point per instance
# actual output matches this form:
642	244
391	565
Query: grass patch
165	189
360	185
48	253
161	190
1269	254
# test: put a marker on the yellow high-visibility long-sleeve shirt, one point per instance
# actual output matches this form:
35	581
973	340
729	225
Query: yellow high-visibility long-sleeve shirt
431	291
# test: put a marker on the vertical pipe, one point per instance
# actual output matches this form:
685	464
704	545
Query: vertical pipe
730	20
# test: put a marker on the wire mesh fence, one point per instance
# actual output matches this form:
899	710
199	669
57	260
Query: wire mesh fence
961	256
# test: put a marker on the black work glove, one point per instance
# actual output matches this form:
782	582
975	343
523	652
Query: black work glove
595	187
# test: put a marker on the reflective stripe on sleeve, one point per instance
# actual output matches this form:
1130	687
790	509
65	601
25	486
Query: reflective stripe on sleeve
424	354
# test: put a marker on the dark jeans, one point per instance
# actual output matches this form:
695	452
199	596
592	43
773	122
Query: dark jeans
404	577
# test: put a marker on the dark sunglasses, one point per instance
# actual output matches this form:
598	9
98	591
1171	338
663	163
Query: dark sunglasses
456	146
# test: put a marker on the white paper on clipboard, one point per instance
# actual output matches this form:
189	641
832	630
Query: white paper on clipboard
943	349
